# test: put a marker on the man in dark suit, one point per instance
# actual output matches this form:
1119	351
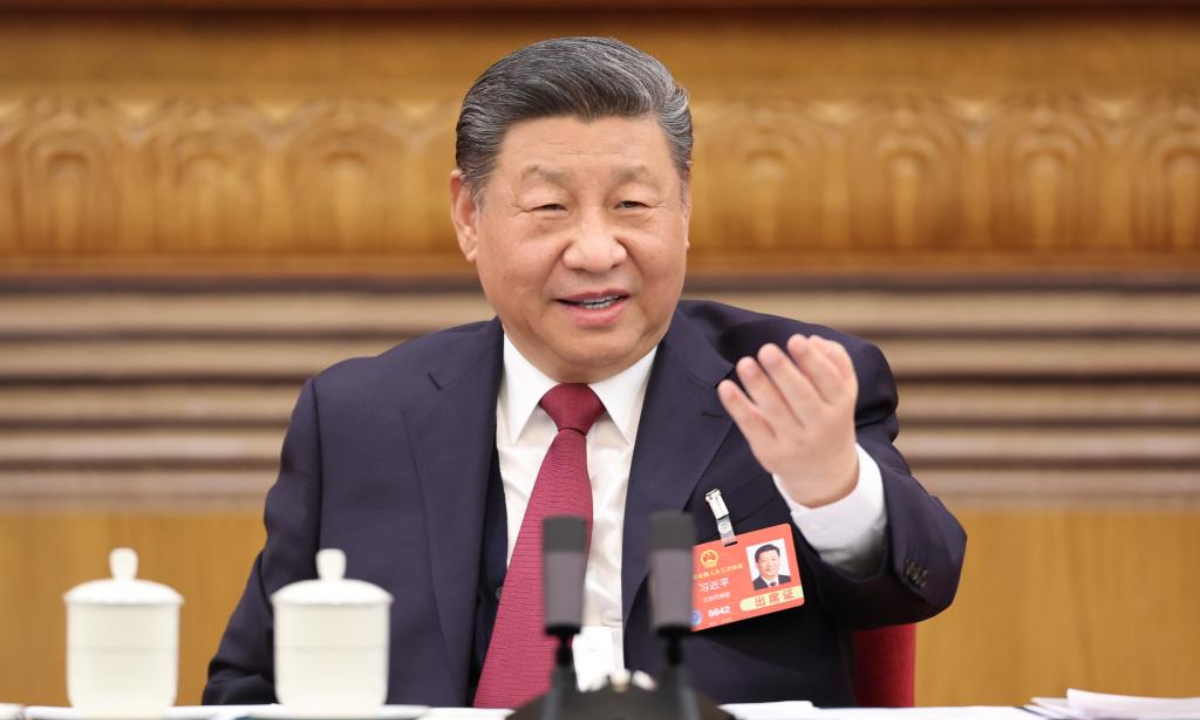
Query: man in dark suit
425	464
766	560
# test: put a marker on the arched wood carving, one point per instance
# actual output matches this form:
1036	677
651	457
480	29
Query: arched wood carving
345	184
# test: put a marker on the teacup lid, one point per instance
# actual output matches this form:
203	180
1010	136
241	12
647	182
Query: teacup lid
123	588
332	587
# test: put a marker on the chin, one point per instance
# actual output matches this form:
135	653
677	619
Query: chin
596	361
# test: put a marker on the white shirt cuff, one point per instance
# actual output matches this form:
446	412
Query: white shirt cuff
848	533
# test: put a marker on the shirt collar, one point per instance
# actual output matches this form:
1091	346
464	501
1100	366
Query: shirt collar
524	385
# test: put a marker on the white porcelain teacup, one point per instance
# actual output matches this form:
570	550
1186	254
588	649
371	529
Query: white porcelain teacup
122	643
331	642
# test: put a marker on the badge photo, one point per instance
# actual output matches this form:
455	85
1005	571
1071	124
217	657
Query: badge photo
770	565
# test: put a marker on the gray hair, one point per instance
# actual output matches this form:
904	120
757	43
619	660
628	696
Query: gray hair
584	77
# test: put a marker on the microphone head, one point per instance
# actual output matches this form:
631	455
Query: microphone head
672	535
564	562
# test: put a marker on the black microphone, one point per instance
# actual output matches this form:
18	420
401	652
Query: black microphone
672	536
671	539
564	563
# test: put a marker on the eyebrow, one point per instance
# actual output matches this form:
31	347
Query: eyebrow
637	172
559	177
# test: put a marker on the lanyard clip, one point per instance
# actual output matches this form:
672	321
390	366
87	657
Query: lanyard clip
721	513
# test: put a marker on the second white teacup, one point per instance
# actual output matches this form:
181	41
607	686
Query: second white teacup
331	642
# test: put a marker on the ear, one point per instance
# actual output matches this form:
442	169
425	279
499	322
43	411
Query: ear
686	212
464	216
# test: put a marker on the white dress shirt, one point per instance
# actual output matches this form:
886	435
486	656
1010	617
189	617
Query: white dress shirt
848	533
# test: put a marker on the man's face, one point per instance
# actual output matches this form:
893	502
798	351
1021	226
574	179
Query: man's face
768	565
580	241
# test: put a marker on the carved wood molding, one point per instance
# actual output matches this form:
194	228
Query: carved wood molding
1036	176
781	183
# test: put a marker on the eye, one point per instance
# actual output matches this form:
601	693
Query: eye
549	207
631	204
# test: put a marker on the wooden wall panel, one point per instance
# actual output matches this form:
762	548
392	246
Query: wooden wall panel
1055	600
961	140
205	557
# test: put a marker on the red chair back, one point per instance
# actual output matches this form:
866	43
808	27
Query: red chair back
886	666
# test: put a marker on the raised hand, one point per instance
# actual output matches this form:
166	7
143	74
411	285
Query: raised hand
797	413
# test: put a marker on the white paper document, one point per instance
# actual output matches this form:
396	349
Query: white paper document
182	712
979	712
805	711
465	714
1084	705
790	710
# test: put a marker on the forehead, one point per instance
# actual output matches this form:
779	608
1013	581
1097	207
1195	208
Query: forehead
560	149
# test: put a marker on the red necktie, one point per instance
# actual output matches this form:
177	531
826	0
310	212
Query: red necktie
520	655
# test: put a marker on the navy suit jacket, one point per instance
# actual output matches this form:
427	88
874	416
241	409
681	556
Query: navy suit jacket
389	457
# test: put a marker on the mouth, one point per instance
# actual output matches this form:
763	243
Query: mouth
594	302
600	310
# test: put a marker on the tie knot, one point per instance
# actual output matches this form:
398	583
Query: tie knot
572	407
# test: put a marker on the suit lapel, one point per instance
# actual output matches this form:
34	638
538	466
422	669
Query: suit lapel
682	425
452	426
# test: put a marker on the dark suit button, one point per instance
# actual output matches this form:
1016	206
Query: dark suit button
499	592
912	573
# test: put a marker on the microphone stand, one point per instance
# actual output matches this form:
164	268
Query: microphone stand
673	697
563	698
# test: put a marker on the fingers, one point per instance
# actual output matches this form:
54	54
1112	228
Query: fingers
796	389
795	408
758	378
827	365
836	352
785	390
748	417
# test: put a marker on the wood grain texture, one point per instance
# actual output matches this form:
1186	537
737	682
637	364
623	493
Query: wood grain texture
316	144
1049	599
205	557
1057	600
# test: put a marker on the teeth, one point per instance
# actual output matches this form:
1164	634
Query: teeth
599	304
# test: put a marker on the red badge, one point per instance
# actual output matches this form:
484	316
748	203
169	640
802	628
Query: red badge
756	575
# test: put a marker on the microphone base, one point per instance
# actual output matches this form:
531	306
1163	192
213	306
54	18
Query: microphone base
672	699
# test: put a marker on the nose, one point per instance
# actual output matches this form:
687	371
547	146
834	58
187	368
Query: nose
594	247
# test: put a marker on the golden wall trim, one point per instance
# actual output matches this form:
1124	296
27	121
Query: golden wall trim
1040	182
